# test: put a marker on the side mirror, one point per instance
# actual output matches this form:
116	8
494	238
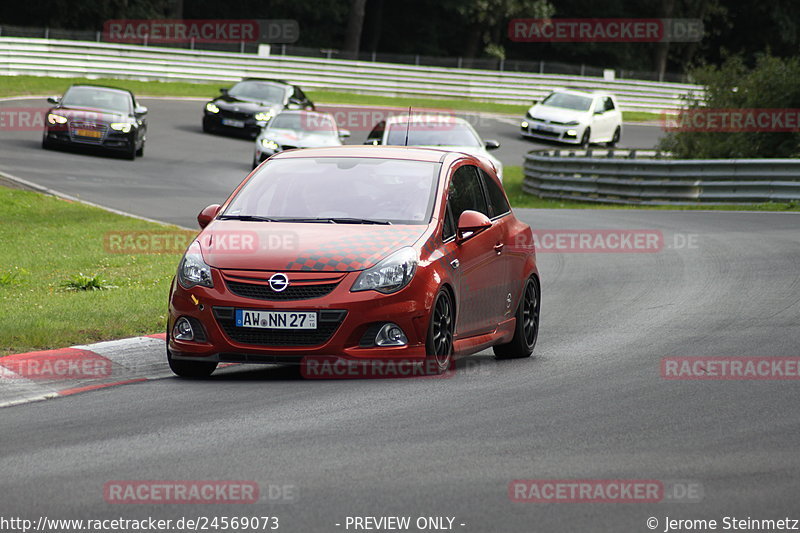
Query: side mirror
53	100
140	110
534	102
344	134
491	144
471	223
224	91
207	215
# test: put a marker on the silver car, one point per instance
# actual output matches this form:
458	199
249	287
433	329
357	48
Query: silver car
297	129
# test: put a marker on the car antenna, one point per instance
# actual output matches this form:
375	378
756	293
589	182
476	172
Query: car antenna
408	124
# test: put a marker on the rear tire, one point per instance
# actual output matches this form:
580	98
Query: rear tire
189	369
527	329
439	344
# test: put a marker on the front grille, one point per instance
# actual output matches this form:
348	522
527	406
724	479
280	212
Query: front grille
74	126
545	133
327	324
293	292
237	115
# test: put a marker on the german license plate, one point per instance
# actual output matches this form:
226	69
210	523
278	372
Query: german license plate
232	123
89	133
247	318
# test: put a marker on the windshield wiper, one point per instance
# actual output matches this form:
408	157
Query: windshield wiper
248	218
346	220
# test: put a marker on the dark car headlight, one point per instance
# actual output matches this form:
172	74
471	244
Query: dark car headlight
389	275
122	127
193	270
211	107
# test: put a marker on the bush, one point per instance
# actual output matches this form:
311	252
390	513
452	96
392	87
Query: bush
773	84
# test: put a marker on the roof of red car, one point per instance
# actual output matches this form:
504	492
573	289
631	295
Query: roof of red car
383	152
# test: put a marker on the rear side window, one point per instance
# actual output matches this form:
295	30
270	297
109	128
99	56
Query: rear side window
466	192
497	198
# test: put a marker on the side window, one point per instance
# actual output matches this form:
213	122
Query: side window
497	198
299	94
376	135
609	104
449	228
466	192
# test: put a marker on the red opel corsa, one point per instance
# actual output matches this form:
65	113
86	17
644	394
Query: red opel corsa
358	252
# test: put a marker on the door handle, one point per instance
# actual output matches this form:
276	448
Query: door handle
498	248
455	263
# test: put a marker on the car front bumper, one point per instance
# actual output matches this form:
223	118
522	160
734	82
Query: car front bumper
351	318
552	132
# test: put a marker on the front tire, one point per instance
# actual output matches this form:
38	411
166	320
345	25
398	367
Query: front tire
439	344
527	329
140	151
587	135
615	139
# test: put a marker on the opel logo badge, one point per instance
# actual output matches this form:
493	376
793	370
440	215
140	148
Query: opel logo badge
278	282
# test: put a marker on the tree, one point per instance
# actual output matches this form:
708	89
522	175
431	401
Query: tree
355	24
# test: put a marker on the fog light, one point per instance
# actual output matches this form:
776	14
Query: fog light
390	335
572	133
183	330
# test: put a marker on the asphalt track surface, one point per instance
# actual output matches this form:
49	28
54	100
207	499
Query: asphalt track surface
184	170
591	404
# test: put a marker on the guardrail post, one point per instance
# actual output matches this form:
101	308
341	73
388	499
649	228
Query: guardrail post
145	40
416	59
283	49
98	36
374	55
632	154
47	33
541	67
460	61
502	64
610	154
241	47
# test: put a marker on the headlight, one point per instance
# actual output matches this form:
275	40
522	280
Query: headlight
390	275
193	270
270	145
524	124
211	107
56	119
572	123
264	116
124	127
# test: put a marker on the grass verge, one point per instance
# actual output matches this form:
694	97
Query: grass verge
42	85
512	182
54	255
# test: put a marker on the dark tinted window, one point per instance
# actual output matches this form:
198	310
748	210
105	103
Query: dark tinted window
497	198
466	192
608	104
376	134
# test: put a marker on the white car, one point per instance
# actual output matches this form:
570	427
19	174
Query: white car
439	131
574	117
297	129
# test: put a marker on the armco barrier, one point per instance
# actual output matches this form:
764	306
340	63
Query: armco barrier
48	57
644	177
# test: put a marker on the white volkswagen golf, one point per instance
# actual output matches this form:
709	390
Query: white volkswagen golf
574	117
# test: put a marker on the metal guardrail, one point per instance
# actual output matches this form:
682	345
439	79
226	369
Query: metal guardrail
47	57
648	178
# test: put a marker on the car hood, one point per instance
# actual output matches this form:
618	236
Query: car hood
245	106
558	114
89	114
275	246
300	139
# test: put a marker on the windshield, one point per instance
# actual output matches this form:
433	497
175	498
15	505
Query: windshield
568	101
397	191
310	122
116	101
258	91
433	133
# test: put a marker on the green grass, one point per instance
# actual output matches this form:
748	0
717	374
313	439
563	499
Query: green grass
51	245
512	182
39	85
